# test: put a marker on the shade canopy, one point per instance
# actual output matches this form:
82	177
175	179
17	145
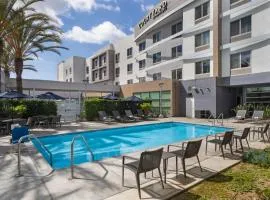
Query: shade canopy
50	96
14	95
110	97
134	99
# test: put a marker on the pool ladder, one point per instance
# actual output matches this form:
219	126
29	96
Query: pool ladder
72	152
30	136
216	120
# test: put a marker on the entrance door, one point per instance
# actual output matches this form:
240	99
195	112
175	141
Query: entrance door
190	107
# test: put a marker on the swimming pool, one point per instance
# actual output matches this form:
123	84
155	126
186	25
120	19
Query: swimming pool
118	141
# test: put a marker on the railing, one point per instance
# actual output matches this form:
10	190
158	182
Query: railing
215	120
72	152
19	150
220	117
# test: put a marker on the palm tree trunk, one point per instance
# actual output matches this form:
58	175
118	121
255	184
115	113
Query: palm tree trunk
1	53
18	71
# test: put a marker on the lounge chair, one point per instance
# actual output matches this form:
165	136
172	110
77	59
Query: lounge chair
242	137
257	115
149	161
119	118
104	117
263	131
17	133
227	140
241	114
192	150
130	115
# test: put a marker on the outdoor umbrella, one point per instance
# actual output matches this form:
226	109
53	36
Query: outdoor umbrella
14	95
134	99
50	96
110	97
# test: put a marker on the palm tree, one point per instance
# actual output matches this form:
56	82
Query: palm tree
35	34
7	12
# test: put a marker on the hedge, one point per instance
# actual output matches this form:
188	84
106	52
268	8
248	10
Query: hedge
32	108
92	106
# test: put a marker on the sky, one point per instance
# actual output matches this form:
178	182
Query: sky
88	25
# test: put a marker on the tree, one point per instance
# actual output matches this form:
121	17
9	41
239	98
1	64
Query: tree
35	33
7	13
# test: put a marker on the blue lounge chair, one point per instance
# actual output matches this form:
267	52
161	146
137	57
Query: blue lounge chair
19	132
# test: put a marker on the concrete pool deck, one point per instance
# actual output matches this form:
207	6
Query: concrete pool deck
102	180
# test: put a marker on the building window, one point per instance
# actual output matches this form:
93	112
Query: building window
177	74
203	67
156	37
142	64
95	63
177	51
241	26
87	70
156	57
141	79
240	60
87	79
129	52
157	76
202	39
67	80
129	68
117	83
117	58
142	46
66	72
176	28
104	72
70	80
130	81
202	11
117	72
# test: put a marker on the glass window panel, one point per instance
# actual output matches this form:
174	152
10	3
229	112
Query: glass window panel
205	9
246	24
198	12
145	95
174	74
206	39
235	61
245	59
206	66
198	40
235	28
198	68
154	95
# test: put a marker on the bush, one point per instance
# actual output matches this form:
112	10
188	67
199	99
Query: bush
146	107
92	106
258	157
26	108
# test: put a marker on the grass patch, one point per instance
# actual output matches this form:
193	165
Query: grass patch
244	181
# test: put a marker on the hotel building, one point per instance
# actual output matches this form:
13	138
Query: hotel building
206	56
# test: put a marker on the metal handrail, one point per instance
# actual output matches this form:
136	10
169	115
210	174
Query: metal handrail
212	117
72	152
19	150
221	116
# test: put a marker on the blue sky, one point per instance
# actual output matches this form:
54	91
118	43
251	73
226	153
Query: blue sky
88	25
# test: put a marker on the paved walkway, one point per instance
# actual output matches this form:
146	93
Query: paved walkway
102	180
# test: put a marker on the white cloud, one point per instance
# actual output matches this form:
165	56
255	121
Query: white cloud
58	8
99	34
146	8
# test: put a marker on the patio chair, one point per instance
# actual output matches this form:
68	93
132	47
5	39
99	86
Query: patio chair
149	161
242	137
3	128
104	117
241	115
17	133
192	150
257	115
130	115
29	122
263	131
227	140
43	121
118	117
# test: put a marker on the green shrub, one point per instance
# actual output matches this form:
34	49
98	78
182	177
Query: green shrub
27	108
258	157
146	107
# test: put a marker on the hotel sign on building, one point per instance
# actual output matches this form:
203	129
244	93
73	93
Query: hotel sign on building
154	13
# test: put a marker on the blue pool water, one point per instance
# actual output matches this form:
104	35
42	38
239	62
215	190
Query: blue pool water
118	141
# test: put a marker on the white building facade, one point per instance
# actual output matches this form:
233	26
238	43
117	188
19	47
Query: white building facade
218	50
